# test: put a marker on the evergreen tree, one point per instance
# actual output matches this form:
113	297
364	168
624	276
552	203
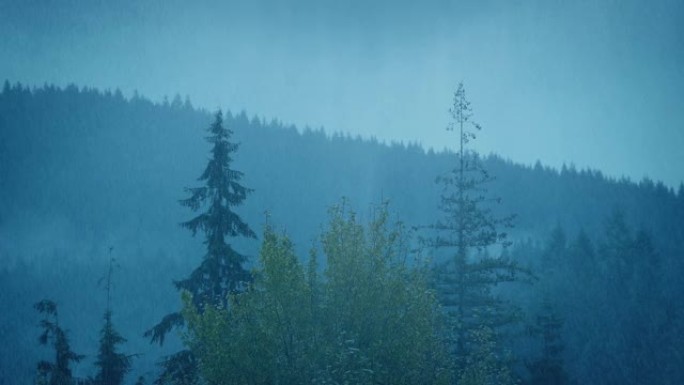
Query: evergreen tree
112	365
624	320
548	368
582	258
637	304
617	254
467	230
554	252
221	271
59	371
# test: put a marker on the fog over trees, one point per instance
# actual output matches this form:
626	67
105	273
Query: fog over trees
316	257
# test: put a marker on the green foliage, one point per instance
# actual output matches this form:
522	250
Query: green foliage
179	368
259	338
485	364
376	300
370	319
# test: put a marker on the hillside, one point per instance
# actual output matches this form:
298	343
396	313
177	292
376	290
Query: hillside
82	155
82	170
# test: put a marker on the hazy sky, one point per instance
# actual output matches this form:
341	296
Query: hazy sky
594	83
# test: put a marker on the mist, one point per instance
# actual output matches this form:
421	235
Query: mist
589	83
353	215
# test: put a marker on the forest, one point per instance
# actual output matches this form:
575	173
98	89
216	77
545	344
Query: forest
151	242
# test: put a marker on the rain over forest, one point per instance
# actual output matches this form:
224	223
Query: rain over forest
341	192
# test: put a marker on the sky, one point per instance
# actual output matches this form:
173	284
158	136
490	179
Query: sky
588	82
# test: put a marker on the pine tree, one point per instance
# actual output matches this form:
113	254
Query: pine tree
637	310
221	271
112	365
554	252
548	368
58	372
582	258
467	231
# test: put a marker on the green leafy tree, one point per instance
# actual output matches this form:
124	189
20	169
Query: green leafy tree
264	334
467	231
373	298
221	271
369	319
59	371
484	364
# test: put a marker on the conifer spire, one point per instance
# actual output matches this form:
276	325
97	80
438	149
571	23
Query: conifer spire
112	365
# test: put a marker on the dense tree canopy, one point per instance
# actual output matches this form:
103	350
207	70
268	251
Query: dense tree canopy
369	319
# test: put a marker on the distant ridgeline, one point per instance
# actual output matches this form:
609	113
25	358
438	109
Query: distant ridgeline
82	170
96	158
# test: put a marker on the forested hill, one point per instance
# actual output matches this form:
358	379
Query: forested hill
83	170
106	164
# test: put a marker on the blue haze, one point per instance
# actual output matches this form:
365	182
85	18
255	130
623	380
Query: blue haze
594	83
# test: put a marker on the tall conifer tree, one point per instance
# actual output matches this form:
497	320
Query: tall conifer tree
467	230
222	269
